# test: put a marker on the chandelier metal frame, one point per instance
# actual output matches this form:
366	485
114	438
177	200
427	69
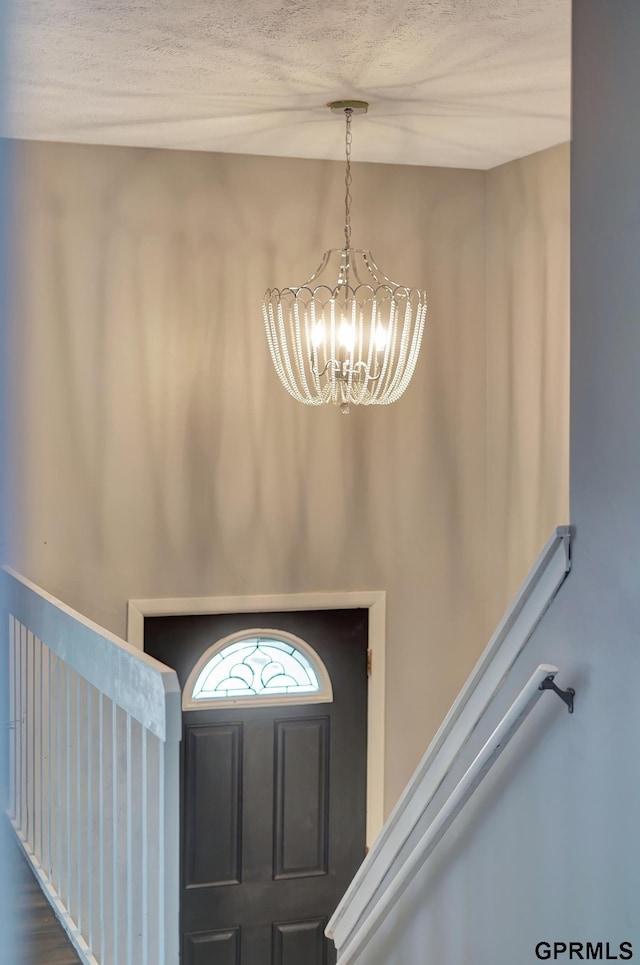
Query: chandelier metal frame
349	335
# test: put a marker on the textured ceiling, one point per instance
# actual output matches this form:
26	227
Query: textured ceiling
458	83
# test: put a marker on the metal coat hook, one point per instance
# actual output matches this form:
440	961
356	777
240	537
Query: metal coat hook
566	695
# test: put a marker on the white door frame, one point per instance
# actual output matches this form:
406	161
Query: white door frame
372	600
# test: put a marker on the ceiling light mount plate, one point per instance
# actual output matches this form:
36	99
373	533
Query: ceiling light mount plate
356	107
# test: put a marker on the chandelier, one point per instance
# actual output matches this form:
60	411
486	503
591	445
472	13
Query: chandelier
349	335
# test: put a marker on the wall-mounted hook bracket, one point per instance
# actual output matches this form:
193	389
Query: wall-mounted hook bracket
566	695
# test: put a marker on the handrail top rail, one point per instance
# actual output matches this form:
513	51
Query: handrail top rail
86	622
141	685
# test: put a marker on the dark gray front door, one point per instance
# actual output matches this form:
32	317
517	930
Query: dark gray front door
273	797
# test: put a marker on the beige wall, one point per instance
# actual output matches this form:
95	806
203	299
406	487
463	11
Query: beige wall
157	455
527	364
160	455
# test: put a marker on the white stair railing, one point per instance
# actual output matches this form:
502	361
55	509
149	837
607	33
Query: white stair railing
94	739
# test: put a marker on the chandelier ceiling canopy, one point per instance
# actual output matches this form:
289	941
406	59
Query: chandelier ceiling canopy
349	335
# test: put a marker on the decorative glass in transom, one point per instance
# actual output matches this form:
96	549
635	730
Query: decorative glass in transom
256	667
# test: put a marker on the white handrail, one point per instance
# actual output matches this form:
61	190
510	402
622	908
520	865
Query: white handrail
463	790
507	643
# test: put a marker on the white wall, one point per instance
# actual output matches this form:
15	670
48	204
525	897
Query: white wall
549	848
527	364
156	453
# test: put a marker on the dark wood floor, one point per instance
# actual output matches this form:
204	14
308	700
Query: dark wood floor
38	937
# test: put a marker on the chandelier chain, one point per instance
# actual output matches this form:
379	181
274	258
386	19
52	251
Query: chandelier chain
347	179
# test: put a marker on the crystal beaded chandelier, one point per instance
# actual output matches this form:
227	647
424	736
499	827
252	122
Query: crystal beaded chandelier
349	335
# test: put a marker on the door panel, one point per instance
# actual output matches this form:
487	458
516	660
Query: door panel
299	943
273	798
301	832
213	772
221	947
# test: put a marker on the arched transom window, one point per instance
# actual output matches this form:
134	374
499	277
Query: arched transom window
257	666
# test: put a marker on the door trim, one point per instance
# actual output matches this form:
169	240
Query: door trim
372	600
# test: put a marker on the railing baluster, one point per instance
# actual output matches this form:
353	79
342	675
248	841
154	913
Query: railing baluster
114	838
23	728
27	734
12	717
79	821
68	783
31	775
101	700
89	776
30	835
17	639
47	815
59	809
129	851
18	722
162	945
52	765
154	908
145	854
169	868
38	751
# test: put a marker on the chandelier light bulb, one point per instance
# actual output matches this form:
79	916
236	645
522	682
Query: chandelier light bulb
346	335
318	335
349	335
382	337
